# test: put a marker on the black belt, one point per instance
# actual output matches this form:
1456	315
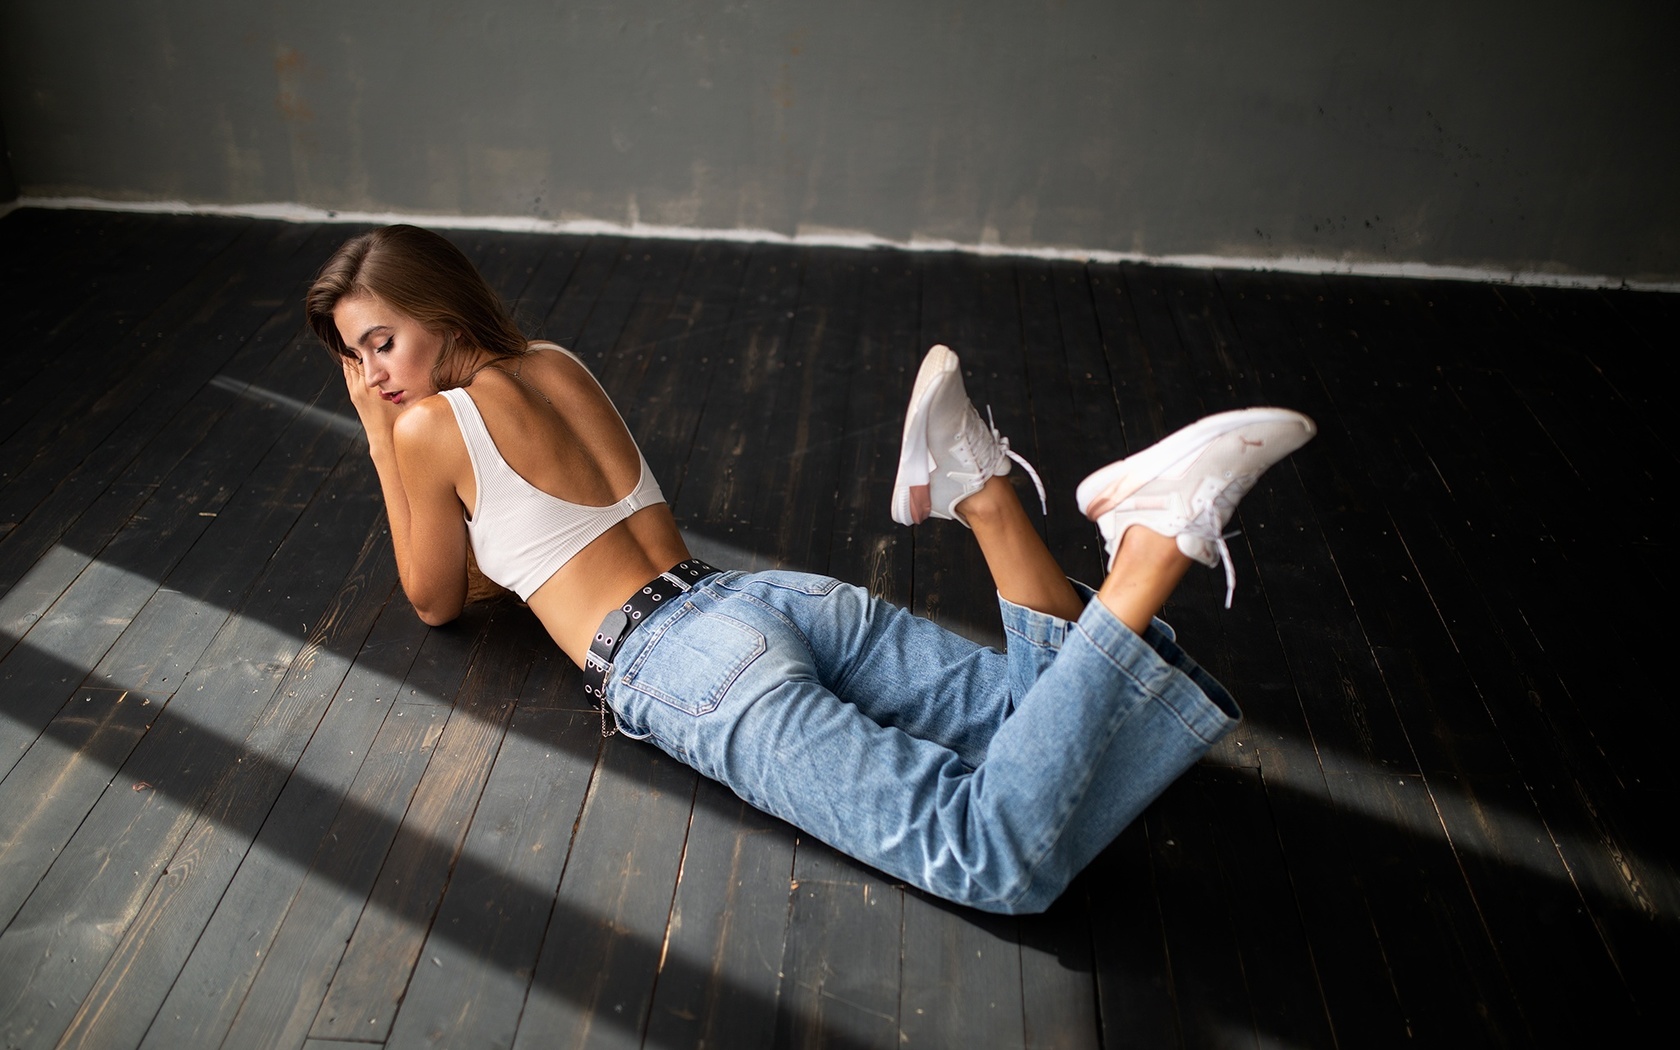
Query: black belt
621	621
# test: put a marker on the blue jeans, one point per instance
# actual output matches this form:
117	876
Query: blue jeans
990	779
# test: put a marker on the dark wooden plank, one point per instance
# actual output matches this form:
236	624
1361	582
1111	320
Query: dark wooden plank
1631	894
1480	644
1408	595
276	1005
731	436
101	330
1276	543
1328	893
1448	977
212	981
39	249
1135	994
961	977
1533	910
1176	374
98	884
1211	994
866	546
476	965
1283	978
110	589
1132	382
1417	659
585	281
594	980
546	284
214	852
1415	655
632	303
110	560
1538	714
1551	548
301	946
151	442
1455	735
62	775
1626	338
719	980
511	263
1641	366
180	619
841	962
1098	435
385	947
198	270
667	403
1346	703
803	421
1058	980
1500	615
54	493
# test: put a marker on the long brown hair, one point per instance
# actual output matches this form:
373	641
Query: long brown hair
426	277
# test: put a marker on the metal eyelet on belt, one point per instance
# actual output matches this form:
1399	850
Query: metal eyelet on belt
599	662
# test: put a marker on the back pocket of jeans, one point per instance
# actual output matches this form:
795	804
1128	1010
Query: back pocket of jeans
694	660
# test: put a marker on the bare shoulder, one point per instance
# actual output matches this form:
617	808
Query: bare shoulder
564	379
429	425
553	359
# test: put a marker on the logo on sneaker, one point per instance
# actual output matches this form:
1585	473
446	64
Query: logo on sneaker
1249	442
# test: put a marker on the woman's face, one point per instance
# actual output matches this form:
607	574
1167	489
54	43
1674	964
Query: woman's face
395	351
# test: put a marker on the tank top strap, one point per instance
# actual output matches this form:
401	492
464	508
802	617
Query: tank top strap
481	450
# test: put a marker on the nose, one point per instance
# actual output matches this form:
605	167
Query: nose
372	374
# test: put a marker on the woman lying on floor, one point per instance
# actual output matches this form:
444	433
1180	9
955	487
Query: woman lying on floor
986	778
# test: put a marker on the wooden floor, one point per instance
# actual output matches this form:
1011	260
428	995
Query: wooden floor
250	801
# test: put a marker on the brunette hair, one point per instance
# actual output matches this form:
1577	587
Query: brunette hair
427	278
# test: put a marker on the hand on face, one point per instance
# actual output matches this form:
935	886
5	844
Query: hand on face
390	360
377	414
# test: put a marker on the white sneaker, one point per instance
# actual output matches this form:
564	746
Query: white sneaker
1188	484
948	452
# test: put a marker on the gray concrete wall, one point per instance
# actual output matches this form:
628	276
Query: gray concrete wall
1539	135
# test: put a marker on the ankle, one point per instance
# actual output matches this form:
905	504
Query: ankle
1145	572
994	502
1142	547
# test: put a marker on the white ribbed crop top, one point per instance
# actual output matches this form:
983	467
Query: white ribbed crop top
520	534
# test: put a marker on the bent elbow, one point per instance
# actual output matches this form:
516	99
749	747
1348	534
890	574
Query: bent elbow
435	617
434	614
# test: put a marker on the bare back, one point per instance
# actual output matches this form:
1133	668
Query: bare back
576	449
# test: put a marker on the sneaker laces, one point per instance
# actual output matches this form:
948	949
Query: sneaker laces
1207	523
1001	443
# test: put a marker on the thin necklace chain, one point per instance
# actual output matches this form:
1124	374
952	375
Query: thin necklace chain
526	383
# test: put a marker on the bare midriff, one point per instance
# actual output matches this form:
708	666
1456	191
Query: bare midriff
602	576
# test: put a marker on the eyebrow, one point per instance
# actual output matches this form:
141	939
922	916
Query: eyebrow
371	329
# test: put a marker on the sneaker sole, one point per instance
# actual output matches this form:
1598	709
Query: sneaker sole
1113	484
911	501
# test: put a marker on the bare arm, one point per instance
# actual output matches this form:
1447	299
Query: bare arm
411	456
